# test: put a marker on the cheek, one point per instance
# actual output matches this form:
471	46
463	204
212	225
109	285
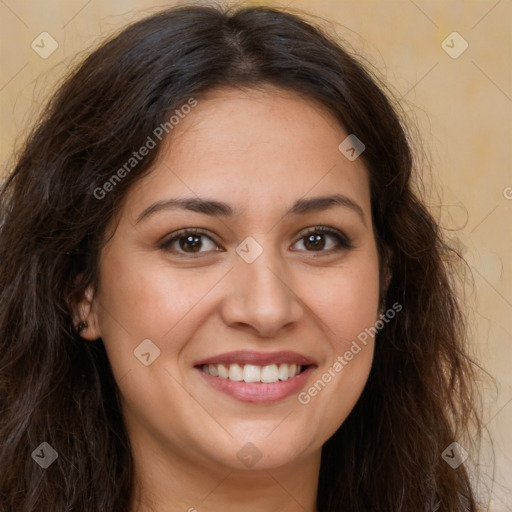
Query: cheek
347	301
146	298
346	304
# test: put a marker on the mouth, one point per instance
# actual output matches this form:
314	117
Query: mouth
252	373
256	377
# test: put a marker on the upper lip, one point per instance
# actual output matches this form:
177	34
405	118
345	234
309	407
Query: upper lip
257	358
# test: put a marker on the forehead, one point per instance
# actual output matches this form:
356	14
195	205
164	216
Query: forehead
259	150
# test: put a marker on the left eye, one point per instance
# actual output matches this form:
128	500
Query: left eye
322	239
190	242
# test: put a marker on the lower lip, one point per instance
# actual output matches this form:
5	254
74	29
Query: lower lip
258	392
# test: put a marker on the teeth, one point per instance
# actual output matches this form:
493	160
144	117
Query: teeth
284	372
222	370
253	373
270	373
235	372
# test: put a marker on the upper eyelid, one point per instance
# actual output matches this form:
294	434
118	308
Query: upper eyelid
321	228
326	230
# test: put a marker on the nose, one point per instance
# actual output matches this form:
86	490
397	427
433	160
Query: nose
260	298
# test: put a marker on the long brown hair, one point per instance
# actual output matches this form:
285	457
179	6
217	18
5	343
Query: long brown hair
59	389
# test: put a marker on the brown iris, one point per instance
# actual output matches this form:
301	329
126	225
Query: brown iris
315	242
190	243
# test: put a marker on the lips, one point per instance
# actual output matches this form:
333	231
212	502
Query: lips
256	376
243	357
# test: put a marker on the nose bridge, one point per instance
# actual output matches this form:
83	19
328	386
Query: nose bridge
260	296
265	280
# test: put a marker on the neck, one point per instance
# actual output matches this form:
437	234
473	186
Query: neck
167	482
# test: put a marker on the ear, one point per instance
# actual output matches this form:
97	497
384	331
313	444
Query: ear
85	316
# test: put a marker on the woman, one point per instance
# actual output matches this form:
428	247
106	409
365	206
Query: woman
219	289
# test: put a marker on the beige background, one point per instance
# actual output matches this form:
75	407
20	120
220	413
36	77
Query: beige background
462	106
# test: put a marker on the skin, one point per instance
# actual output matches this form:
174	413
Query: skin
259	151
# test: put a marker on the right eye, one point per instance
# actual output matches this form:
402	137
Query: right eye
189	241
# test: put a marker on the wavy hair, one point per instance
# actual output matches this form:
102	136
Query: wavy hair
55	387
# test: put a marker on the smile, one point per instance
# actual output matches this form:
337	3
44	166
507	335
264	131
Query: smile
252	373
256	376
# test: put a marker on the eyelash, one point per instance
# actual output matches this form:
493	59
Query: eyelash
344	243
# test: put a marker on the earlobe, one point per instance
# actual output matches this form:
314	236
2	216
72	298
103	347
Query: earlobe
86	319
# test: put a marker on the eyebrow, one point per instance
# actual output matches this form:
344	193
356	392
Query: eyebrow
220	209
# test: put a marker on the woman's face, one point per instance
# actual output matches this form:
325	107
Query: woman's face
206	330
